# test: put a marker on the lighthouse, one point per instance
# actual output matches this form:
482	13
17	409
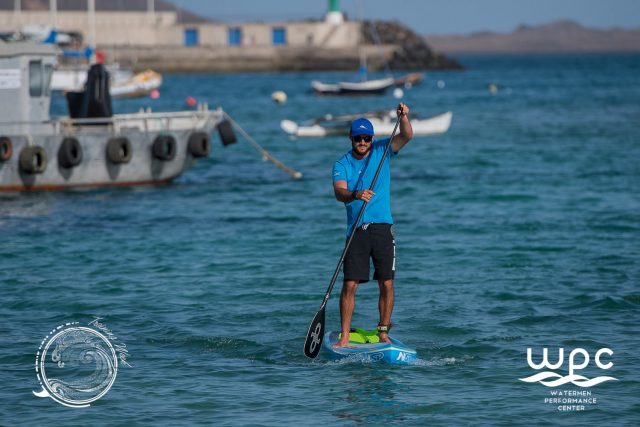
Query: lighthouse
334	15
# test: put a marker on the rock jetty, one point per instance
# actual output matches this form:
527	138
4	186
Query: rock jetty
411	51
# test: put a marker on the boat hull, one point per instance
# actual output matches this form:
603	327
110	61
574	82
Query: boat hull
96	167
370	87
395	353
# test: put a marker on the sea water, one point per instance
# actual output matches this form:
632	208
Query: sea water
518	229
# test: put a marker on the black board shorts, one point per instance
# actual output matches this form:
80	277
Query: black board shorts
371	241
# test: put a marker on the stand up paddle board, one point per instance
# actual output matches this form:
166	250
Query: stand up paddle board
366	346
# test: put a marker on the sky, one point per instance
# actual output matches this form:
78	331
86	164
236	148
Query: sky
432	16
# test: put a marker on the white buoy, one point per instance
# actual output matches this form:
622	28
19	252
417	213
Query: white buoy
398	93
279	97
441	84
493	88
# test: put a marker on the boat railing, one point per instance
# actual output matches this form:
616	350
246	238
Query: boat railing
144	120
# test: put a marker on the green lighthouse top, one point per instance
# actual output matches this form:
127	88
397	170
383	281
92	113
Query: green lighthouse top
334	5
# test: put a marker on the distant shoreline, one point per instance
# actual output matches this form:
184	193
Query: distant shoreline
542	54
558	37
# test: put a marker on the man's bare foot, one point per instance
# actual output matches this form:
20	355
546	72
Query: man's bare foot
343	342
384	337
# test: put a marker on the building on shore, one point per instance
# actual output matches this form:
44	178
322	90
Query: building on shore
156	34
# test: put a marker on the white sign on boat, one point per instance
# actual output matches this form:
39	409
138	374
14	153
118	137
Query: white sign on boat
10	79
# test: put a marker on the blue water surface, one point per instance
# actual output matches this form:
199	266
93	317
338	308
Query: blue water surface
519	228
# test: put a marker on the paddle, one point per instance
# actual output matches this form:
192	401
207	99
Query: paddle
315	334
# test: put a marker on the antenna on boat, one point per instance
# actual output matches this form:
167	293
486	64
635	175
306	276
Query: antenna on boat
53	10
363	56
17	12
151	10
376	39
91	11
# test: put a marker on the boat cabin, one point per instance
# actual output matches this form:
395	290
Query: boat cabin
25	77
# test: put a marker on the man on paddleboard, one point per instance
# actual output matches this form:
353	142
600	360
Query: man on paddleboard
373	238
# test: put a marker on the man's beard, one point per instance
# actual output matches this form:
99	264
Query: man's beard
355	145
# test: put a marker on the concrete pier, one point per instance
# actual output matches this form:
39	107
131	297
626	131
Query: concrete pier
172	59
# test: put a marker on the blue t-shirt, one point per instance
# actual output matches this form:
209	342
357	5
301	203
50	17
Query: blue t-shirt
359	175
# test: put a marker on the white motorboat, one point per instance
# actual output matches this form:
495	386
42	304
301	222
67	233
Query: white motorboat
383	124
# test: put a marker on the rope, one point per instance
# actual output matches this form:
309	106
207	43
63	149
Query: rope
265	154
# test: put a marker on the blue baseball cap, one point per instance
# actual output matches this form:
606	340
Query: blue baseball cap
361	126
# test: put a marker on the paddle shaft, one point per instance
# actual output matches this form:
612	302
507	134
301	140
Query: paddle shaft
360	215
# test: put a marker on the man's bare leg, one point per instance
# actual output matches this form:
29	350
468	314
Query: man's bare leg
347	305
385	305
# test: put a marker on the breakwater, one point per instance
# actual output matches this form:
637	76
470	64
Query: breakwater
386	44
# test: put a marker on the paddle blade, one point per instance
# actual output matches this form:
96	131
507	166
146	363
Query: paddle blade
313	343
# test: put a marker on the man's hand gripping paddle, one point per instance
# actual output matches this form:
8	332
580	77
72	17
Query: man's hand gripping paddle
315	334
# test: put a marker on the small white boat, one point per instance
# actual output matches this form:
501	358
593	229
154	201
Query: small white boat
124	84
139	85
72	79
383	124
367	87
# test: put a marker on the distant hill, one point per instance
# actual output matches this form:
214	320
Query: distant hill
555	37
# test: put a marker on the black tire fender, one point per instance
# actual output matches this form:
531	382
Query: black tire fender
119	150
33	159
227	135
6	148
164	147
69	153
199	144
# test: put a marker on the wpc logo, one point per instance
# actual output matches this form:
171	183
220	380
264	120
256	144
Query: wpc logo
572	378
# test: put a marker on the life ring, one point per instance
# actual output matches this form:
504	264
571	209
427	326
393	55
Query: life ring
164	147
33	159
119	150
6	148
199	144
69	153
227	135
